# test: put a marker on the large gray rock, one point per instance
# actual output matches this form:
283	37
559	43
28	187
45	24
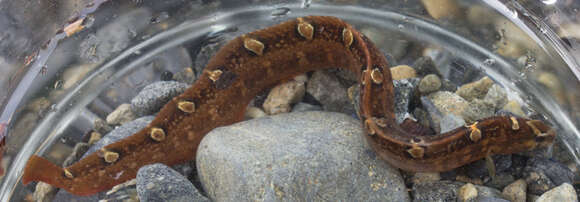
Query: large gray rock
307	156
157	182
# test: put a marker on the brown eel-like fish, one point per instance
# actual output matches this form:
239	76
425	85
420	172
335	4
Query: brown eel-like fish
262	59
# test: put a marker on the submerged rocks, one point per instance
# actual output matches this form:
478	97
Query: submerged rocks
297	156
155	95
157	182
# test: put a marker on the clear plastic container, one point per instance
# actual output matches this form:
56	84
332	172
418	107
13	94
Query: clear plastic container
66	65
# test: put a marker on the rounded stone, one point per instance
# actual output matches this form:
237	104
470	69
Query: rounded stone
307	156
429	84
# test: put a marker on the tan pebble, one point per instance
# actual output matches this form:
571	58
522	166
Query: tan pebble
95	136
477	89
467	192
516	191
403	72
514	107
442	8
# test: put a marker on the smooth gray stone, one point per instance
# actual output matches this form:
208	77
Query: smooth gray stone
306	156
155	95
157	182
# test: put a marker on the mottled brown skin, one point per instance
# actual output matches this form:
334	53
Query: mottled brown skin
274	55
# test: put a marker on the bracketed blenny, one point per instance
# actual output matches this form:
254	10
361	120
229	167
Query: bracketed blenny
262	59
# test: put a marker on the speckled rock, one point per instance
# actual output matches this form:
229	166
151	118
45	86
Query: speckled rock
304	107
544	174
477	110
564	192
308	156
450	122
404	91
155	95
282	96
477	89
120	132
466	192
448	102
43	192
436	191
434	116
157	182
403	72
429	84
327	89
516	191
422	177
496	96
122	114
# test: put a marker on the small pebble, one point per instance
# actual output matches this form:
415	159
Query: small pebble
422	177
95	136
429	84
185	76
514	107
425	66
254	112
43	192
122	114
516	191
497	96
466	192
442	8
281	97
564	192
477	89
327	89
477	110
448	102
434	116
404	92
403	72
155	95
544	174
157	182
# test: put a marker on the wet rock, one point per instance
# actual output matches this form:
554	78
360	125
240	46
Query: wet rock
434	115
477	110
466	192
436	191
122	114
497	96
544	174
155	95
479	169
477	89
429	84
450	122
448	102
403	72
94	137
439	9
43	192
564	192
125	192
101	126
425	66
514	107
490	199
157	182
304	107
422	117
282	96
404	91
500	180
327	89
120	133
254	112
78	151
295	157
447	85
516	191
187	75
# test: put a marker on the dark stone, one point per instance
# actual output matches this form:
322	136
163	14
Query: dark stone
166	76
424	66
